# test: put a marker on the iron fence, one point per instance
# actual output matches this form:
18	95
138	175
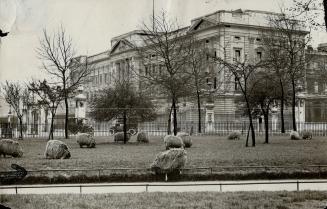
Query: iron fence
295	185
221	128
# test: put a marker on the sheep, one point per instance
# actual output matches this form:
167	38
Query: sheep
10	147
119	137
142	137
169	161
85	139
235	135
306	135
56	149
187	140
295	135
173	142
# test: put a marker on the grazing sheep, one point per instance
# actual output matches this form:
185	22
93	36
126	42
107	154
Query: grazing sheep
295	135
173	142
235	135
306	135
187	140
10	147
119	137
169	161
85	139
56	149
142	137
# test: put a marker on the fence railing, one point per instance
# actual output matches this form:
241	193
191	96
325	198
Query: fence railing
222	128
295	185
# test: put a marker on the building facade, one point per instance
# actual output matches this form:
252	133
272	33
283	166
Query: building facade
231	35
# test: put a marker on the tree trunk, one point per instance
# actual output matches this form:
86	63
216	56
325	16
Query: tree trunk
66	117
199	111
169	121
51	127
247	137
21	128
282	120
251	122
293	105
125	127
266	118
175	117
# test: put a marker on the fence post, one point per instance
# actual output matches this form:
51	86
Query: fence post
146	187
80	189
99	174
297	186
220	188
16	190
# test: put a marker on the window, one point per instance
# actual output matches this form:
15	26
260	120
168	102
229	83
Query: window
237	55
316	87
258	39
100	79
106	78
237	38
215	83
146	70
259	56
236	84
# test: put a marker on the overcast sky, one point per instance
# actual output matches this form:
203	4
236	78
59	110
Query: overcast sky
92	23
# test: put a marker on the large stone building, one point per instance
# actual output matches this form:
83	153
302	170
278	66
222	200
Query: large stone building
232	35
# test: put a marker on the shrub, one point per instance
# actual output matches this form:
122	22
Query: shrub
187	140
56	149
119	137
142	137
10	147
77	126
295	135
173	142
306	135
85	139
235	135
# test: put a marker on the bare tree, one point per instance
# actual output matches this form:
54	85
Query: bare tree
198	62
276	61
265	91
56	51
122	100
243	71
50	98
292	43
17	97
313	12
164	57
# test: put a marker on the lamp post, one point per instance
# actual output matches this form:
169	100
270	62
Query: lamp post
9	129
209	119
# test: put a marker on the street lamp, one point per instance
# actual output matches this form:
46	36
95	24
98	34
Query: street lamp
209	108
9	131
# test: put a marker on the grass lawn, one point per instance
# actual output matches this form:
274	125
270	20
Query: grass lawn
196	200
206	151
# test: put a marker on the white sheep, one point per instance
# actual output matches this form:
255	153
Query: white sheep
173	142
187	140
85	139
56	149
119	137
10	147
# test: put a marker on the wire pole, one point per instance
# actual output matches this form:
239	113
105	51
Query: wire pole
153	15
